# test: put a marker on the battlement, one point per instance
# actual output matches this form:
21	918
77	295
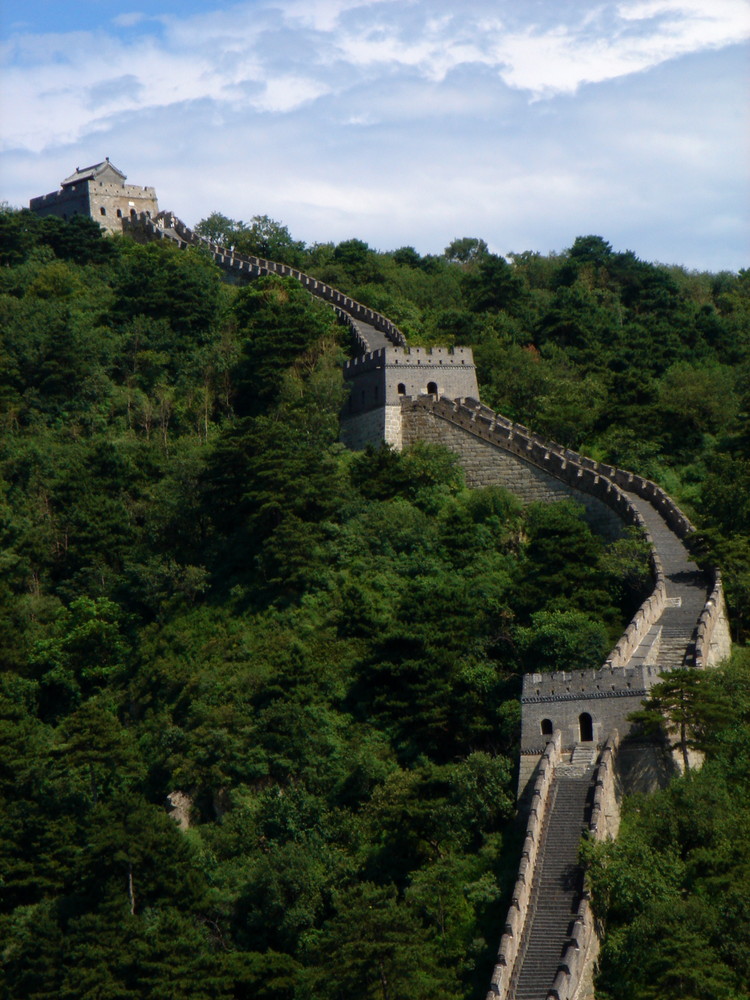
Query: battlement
409	357
43	199
382	379
406	357
579	685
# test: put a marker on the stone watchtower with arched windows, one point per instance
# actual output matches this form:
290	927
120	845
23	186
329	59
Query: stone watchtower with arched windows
380	381
100	192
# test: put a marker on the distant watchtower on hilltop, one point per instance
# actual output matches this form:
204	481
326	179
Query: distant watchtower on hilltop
100	192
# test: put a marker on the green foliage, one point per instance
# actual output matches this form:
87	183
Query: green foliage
689	706
674	886
203	593
262	237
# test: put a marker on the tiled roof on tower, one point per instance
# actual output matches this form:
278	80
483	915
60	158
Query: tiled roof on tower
92	172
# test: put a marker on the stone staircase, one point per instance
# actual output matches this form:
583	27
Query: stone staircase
559	879
686	592
583	757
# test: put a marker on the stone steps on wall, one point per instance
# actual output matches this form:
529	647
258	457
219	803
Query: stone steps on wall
676	645
583	755
686	588
557	885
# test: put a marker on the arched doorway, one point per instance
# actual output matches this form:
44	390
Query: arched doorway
586	727
401	389
432	388
546	727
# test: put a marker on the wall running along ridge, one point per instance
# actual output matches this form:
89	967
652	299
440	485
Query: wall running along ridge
401	399
166	226
600	487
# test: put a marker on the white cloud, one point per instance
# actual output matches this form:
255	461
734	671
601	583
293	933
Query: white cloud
404	121
129	20
278	55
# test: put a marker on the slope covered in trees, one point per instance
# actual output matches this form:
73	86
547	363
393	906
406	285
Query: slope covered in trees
204	593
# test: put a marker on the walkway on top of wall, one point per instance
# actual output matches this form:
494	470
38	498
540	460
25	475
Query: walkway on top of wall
368	336
558	884
673	635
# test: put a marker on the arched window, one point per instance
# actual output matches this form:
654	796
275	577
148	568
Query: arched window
546	727
432	388
119	213
586	727
132	213
401	389
102	210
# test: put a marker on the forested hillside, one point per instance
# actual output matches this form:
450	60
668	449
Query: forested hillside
312	658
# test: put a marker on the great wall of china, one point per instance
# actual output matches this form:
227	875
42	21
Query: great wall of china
578	753
577	750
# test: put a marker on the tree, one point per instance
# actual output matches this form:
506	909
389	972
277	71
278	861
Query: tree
265	237
689	705
374	947
492	285
162	282
220	229
465	250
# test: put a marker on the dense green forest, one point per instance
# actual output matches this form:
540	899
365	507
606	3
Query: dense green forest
203	593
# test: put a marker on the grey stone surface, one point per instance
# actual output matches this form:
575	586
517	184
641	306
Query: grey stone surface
488	464
100	192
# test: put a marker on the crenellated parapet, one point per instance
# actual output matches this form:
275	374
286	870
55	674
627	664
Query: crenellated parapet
574	701
243	267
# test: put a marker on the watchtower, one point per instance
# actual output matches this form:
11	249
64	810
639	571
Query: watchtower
100	192
379	382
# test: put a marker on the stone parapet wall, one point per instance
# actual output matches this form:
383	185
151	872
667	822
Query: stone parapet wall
609	695
412	357
575	972
713	642
167	226
585	476
390	374
382	424
65	203
521	898
488	463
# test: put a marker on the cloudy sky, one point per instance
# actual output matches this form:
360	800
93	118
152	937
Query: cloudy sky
524	122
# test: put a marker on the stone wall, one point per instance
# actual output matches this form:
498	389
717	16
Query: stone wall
607	695
106	202
587	478
110	203
70	201
510	941
244	267
373	427
386	376
487	463
574	976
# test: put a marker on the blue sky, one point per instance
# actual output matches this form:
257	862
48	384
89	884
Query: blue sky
401	123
